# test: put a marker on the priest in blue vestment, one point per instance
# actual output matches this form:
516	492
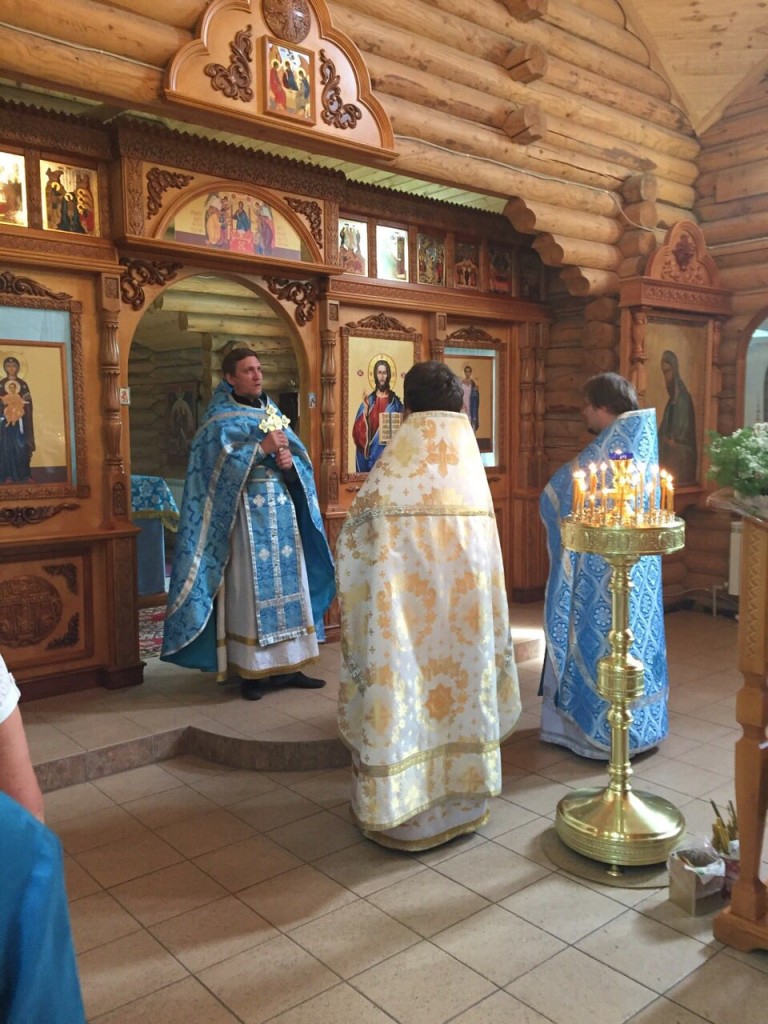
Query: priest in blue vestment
577	605
252	572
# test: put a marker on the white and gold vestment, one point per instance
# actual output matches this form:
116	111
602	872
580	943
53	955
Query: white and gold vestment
428	679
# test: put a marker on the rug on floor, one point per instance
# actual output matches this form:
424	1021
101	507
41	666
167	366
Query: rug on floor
151	621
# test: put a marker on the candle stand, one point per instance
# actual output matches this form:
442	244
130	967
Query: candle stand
617	825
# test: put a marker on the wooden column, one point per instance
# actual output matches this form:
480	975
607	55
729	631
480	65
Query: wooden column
744	925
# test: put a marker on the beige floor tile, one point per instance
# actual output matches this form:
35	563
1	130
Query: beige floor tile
279	806
126	969
492	871
500	1008
212	933
138	782
47	743
657	905
99	828
536	793
428	902
100	729
121	861
169	806
167	893
78	882
247	862
184	1002
572	988
97	919
262	982
366	867
527	841
564	908
423	985
505	815
316	836
530	753
724	991
204	832
462	844
339	1005
663	1011
234	787
327	789
74	802
498	944
686	778
296	897
353	938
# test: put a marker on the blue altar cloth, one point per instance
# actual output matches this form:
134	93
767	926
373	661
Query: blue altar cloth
153	508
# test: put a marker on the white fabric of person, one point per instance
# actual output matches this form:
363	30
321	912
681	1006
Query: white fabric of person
428	682
9	692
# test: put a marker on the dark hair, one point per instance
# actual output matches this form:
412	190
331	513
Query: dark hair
612	392
468	367
431	385
11	359
233	357
383	362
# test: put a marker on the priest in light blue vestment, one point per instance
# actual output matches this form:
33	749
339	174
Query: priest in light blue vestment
577	607
252	573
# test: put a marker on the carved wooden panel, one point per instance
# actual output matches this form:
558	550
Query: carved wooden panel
46	607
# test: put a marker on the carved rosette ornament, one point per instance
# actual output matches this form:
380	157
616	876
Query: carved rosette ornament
336	112
140	273
288	19
302	293
30	609
311	210
68	573
30	515
236	81
158	183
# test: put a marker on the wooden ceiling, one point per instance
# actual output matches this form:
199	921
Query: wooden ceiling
708	51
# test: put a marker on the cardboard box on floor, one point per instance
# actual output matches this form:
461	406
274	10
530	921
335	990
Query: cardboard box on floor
696	878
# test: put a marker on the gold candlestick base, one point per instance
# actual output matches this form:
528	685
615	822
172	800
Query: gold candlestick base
617	825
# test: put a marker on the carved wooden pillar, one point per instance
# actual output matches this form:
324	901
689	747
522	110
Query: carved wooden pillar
539	403
117	505
329	472
637	356
744	925
438	328
525	468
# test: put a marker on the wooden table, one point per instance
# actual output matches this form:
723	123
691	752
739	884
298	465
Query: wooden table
744	924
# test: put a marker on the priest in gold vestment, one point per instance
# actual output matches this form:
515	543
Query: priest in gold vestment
428	679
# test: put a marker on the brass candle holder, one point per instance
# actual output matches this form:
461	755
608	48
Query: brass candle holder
617	825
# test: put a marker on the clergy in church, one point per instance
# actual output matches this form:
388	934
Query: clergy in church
577	604
428	679
252	572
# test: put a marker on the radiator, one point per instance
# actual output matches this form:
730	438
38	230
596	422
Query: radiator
734	559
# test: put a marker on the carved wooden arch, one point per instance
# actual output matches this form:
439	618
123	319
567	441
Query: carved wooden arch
223	72
683	258
299	223
738	373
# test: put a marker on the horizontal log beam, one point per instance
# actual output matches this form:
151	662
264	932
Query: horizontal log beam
559	251
590	281
222	324
91	24
532	218
191	302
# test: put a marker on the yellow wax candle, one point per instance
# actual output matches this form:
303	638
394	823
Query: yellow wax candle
592	478
654	503
603	469
670	495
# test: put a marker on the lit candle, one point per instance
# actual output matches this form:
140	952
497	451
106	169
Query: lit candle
592	478
603	468
670	495
654	503
663	488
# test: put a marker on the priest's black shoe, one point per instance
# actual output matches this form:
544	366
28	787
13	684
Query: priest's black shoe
297	680
251	689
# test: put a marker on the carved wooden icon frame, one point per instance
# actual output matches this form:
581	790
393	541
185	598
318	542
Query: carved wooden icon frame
670	340
375	340
42	433
485	356
280	98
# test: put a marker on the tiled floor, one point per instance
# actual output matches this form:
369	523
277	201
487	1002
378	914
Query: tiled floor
203	894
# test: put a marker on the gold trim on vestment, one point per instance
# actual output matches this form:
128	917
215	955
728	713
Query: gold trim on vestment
385	771
415	845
